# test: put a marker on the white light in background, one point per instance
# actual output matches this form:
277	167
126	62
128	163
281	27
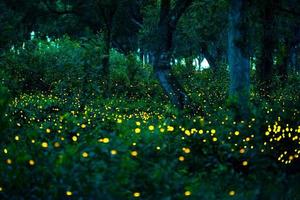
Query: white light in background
204	64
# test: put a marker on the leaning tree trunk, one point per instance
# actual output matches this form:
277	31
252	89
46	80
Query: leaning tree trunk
163	50
238	58
162	70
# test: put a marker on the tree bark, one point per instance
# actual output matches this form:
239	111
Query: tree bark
265	60
238	58
284	51
163	50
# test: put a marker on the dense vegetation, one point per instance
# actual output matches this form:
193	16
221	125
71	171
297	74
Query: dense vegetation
107	99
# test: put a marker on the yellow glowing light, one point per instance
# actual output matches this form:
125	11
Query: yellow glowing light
215	139
231	193
48	130
151	128
187	132
187	193
9	161
5	151
242	151
181	158
213	131
69	193
74	138
245	163
56	144
17	138
267	133
113	152
137	130
105	140
31	162
85	154
44	144
136	194
83	126
236	133
134	153
170	128
186	150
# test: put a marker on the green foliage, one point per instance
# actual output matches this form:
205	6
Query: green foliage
3	106
89	150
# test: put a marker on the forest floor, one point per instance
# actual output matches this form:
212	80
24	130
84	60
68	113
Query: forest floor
130	149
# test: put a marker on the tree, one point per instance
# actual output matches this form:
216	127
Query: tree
163	48
238	57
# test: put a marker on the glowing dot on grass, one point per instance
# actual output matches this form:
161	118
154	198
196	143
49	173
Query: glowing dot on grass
105	140
5	151
134	153
136	194
85	154
236	133
17	138
242	150
213	131
187	193
137	130
48	130
181	158
69	193
113	152
231	193
31	162
186	150
9	161
138	123
83	126
44	144
151	128
74	138
215	139
267	133
245	163
187	132
170	128
56	144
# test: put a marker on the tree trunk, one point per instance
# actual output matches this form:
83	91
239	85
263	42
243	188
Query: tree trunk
163	50
284	51
238	58
265	60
